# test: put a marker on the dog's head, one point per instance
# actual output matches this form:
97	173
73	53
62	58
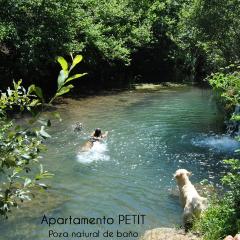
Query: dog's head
182	174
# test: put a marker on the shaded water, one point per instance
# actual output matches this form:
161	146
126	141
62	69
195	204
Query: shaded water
151	134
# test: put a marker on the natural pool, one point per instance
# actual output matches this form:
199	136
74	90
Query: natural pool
151	134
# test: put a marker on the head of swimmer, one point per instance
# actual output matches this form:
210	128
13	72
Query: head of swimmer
98	132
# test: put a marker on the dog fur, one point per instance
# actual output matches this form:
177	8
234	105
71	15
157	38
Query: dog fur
192	203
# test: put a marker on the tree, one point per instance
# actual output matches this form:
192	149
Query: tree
208	34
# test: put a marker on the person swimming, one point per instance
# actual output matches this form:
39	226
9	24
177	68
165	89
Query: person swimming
96	136
78	127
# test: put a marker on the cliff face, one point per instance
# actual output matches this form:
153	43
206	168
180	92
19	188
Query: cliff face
168	234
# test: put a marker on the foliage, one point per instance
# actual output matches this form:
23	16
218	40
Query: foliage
64	78
207	34
33	33
232	180
19	155
21	146
18	97
227	84
113	28
199	35
222	217
218	221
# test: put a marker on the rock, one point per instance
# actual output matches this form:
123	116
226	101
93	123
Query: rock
156	87
168	234
228	238
237	237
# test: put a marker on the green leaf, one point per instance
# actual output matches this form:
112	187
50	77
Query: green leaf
63	75
31	89
76	60
34	103
11	134
17	128
17	170
64	90
17	85
63	63
38	92
75	77
236	117
27	182
38	177
44	174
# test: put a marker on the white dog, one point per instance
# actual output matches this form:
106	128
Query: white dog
191	201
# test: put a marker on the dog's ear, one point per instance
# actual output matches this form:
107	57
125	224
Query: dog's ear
189	174
178	174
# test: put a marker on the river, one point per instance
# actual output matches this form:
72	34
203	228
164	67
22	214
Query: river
151	134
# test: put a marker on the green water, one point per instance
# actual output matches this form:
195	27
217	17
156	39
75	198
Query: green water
151	134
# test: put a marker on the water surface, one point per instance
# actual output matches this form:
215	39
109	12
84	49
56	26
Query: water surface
151	134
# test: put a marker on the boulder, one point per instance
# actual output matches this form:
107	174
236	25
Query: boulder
228	238
237	237
168	234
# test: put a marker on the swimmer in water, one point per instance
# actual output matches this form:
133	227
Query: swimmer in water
96	136
78	127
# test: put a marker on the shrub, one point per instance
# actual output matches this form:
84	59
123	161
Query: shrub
218	221
227	84
222	217
20	146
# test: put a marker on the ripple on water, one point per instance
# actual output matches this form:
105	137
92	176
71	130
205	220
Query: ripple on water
97	153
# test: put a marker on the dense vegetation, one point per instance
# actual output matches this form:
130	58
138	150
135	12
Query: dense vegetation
222	218
21	145
208	33
120	39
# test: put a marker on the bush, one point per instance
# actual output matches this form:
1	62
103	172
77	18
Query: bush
20	146
206	33
227	85
218	221
33	33
222	218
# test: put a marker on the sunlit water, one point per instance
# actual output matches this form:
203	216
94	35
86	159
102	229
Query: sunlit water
151	134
